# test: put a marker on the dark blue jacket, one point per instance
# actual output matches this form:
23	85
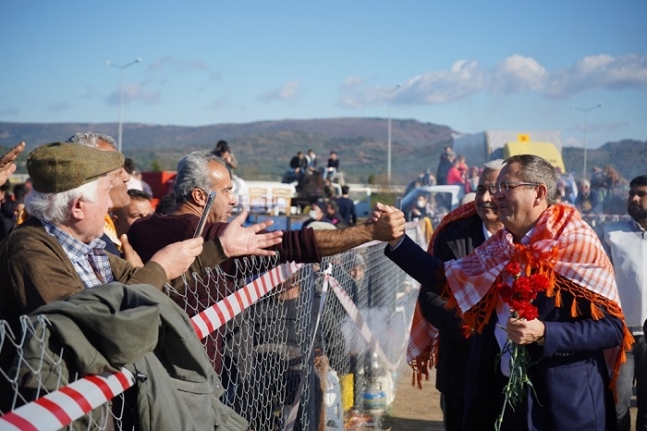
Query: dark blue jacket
569	374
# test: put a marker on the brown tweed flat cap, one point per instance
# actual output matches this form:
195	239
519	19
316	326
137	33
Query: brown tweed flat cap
59	167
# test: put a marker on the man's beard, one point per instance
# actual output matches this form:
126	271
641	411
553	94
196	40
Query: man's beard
637	213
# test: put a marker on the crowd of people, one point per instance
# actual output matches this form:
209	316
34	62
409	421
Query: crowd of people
597	198
583	334
68	243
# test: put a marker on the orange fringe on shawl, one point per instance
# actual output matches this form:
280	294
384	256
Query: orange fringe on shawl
428	345
477	317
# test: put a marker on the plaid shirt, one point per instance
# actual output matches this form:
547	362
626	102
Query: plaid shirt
84	256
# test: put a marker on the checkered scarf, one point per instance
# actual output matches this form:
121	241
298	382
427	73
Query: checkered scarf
565	249
561	245
561	242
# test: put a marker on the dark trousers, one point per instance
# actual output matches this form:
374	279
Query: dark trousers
633	370
452	407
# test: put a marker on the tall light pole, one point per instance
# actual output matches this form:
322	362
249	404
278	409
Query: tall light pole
388	142
121	91
586	126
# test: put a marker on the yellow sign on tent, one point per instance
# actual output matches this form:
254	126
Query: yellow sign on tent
523	137
547	150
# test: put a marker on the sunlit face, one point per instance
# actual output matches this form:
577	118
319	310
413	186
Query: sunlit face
519	207
126	216
486	207
94	213
225	200
118	179
637	203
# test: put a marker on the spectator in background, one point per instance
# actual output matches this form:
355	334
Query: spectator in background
223	151
166	204
473	179
626	244
140	206
332	213
444	165
6	220
329	190
11	210
311	157
462	167
616	195
347	207
598	178
418	209
588	201
298	166
570	188
564	196
136	182
317	213
454	176
332	167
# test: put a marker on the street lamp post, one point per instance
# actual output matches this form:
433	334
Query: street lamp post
586	126
388	142
121	92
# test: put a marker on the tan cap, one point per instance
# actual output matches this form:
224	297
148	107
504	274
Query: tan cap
59	166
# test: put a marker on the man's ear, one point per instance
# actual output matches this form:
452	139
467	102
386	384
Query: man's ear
77	210
542	192
199	197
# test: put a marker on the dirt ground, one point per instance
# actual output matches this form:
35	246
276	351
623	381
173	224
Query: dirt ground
419	410
414	409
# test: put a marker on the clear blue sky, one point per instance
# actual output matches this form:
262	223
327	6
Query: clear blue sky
470	65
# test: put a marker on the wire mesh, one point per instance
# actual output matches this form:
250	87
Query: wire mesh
320	351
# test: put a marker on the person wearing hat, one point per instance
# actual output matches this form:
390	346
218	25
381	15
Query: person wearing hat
58	252
115	244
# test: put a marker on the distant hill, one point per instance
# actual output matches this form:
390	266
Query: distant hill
264	148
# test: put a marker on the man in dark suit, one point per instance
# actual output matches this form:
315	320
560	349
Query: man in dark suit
467	228
346	207
578	316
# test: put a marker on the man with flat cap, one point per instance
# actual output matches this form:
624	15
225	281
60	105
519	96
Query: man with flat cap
58	252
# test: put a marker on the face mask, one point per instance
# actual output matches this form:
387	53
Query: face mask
421	204
313	214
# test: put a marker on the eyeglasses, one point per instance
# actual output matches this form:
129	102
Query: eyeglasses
506	186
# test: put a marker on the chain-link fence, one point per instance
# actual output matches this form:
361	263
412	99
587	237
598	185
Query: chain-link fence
296	347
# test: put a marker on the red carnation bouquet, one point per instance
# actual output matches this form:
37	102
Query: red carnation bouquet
519	298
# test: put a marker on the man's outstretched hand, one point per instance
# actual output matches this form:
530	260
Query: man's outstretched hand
237	240
7	165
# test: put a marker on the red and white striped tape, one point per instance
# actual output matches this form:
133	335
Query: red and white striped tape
60	408
218	314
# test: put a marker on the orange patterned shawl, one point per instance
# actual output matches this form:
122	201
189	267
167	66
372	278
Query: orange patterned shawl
561	244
